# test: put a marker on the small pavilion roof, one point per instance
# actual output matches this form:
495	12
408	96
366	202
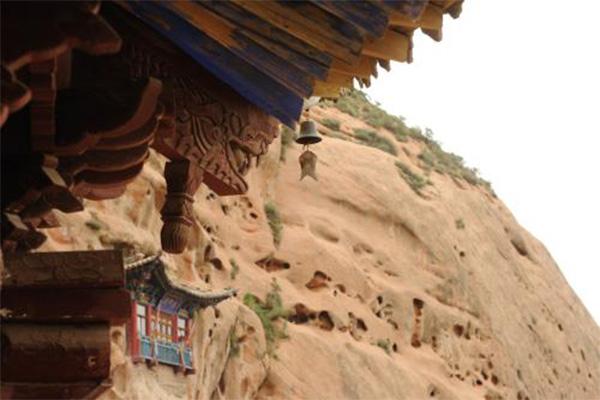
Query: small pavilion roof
155	265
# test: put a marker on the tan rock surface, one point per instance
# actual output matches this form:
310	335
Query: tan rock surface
389	297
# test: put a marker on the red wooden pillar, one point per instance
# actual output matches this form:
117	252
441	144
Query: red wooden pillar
174	328
187	330
149	331
132	335
149	319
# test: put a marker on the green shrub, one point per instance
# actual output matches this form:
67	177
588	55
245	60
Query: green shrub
357	104
386	345
235	268
269	311
434	157
372	139
274	222
460	224
94	223
332	124
414	180
234	343
287	138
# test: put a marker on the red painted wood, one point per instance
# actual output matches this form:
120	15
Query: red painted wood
132	334
187	330
174	337
60	390
76	269
67	305
51	353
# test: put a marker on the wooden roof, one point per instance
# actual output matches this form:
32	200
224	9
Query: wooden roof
277	53
171	284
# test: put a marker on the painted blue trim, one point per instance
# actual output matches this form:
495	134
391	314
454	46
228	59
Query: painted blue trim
277	68
255	86
166	352
368	17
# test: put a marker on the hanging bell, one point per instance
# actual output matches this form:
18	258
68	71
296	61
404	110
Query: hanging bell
308	133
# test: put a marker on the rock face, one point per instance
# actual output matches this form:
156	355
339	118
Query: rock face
390	293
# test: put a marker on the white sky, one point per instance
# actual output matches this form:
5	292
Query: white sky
514	88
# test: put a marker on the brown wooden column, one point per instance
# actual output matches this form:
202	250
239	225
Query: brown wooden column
183	179
132	332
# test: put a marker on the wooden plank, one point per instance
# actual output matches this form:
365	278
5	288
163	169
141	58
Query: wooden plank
67	305
392	46
247	80
80	269
61	390
307	65
339	79
225	33
55	353
327	90
431	18
454	9
251	22
368	17
310	24
365	67
410	8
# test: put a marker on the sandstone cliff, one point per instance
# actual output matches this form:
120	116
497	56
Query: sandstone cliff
398	279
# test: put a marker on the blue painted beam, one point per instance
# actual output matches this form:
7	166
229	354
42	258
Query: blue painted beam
278	68
368	17
247	80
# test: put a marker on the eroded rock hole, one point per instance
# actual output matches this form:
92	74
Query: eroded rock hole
360	324
341	288
272	264
300	315
418	305
458	330
519	245
414	340
319	280
325	321
217	263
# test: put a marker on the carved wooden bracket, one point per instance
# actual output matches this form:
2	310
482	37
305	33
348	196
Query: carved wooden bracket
211	133
92	119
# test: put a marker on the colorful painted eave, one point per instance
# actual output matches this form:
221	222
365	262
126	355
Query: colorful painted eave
170	283
278	53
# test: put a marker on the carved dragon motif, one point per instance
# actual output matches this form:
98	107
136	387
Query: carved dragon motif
211	125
